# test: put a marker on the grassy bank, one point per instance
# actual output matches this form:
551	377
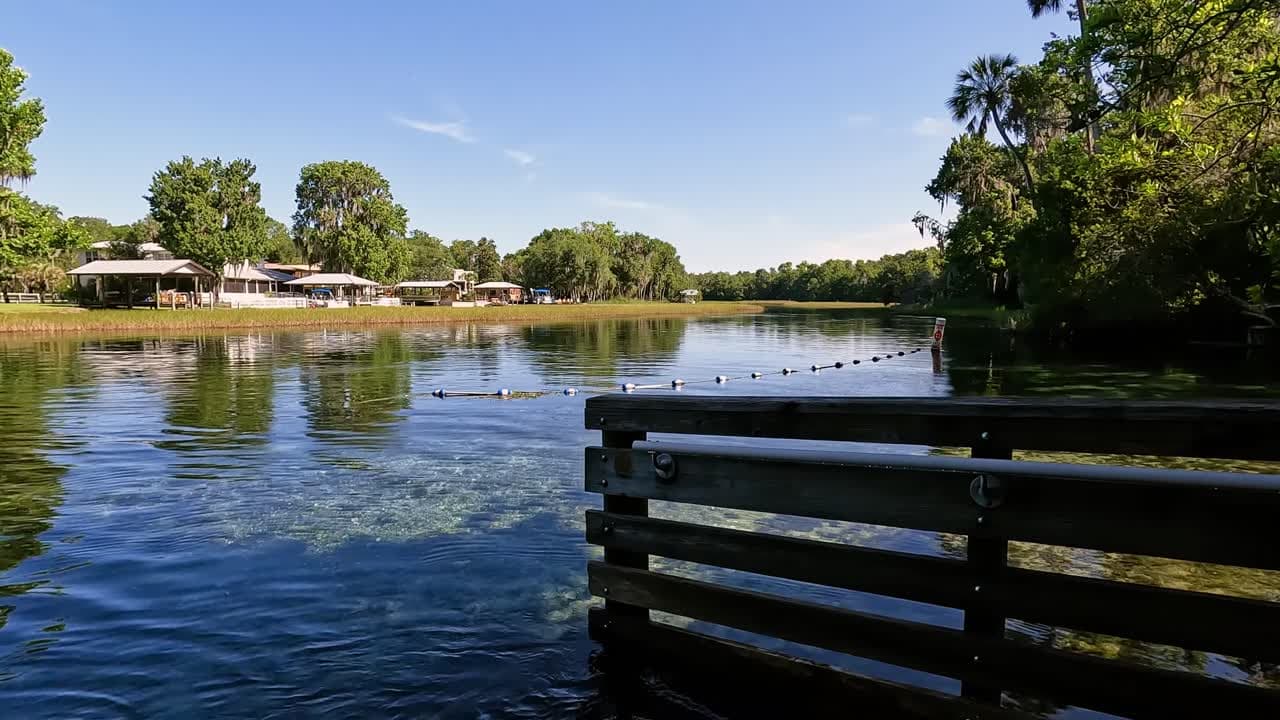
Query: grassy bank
36	309
1001	317
818	305
58	320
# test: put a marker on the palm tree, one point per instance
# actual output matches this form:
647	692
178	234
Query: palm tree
982	94
1044	7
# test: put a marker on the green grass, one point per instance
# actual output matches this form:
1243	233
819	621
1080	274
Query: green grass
36	309
820	305
999	316
149	320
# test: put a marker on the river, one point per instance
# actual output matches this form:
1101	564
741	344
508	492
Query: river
242	525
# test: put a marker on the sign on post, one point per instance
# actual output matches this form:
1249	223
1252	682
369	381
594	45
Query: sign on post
939	329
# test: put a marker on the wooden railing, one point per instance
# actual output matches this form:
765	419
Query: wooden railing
1225	518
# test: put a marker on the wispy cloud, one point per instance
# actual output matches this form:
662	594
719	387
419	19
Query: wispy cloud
931	127
859	120
520	156
606	200
453	130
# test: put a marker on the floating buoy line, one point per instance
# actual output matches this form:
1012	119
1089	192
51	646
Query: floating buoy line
674	384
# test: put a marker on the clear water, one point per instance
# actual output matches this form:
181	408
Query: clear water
288	524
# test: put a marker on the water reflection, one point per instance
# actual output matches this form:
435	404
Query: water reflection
30	491
982	361
296	506
225	396
603	349
356	385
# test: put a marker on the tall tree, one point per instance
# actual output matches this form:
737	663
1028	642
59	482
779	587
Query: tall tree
21	122
280	246
32	235
35	238
209	211
1081	9
465	254
128	240
348	220
488	261
98	229
982	94
429	259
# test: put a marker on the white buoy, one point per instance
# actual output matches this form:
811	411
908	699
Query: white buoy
722	379
787	371
677	382
814	367
757	375
439	392
628	387
504	392
571	391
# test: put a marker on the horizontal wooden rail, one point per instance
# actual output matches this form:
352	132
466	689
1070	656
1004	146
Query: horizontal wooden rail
1231	526
768	684
991	500
1240	430
1106	685
1199	621
1125	475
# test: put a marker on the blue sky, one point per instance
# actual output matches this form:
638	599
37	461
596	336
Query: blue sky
746	133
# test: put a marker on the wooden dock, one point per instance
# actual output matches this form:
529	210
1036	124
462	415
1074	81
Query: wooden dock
1208	517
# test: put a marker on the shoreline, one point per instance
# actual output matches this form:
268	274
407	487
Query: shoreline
59	321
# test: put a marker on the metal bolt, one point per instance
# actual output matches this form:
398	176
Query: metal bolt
982	519
606	592
987	491
664	466
985	435
977	659
602	421
609	528
976	588
604	482
604	458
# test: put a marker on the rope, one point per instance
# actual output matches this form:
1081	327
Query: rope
677	383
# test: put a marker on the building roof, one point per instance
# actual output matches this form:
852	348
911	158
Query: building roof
277	275
689	292
147	247
333	279
498	285
425	284
245	271
288	266
144	268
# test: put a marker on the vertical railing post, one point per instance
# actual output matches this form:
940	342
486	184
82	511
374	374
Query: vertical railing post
988	556
625	506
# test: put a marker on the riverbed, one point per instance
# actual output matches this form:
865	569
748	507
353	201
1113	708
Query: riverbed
238	524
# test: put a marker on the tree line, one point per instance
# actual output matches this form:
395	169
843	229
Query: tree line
909	277
1133	181
33	236
347	220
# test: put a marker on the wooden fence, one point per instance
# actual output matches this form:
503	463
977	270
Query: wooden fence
1211	517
